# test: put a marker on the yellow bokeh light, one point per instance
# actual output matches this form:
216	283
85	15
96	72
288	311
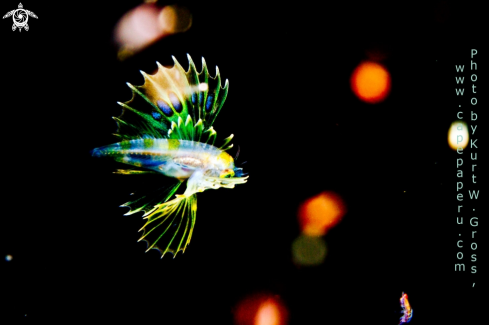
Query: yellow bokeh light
458	135
320	213
174	19
309	250
371	82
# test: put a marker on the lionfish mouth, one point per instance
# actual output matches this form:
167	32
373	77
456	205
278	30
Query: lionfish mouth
238	172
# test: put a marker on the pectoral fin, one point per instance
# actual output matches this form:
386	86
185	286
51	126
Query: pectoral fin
169	227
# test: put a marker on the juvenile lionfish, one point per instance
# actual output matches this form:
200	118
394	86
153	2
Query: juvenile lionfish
166	128
407	311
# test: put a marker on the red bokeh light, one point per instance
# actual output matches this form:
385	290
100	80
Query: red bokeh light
261	309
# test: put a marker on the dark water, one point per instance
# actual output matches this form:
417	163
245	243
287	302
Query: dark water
302	131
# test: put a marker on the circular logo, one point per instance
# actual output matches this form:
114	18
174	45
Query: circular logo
20	17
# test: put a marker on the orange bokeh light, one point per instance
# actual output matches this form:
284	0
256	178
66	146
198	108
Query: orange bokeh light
371	82
261	309
320	213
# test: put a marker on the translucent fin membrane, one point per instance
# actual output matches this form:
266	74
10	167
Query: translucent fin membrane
170	225
174	103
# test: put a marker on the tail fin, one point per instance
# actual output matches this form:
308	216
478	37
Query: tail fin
175	221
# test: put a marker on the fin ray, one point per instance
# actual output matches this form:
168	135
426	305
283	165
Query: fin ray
177	218
173	103
149	202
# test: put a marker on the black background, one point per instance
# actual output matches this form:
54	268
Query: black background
302	131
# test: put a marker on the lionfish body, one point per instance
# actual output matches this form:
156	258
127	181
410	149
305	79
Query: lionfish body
407	311
166	129
179	159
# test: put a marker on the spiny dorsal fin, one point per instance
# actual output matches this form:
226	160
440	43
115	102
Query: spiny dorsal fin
173	103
